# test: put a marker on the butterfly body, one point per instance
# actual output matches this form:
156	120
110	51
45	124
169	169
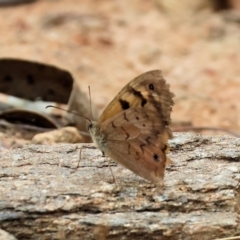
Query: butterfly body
99	138
133	130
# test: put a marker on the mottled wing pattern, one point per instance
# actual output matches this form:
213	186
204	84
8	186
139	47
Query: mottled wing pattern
136	125
141	142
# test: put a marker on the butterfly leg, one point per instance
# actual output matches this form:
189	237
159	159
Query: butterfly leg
79	159
113	178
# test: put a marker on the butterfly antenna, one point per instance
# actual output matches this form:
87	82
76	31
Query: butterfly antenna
90	101
50	106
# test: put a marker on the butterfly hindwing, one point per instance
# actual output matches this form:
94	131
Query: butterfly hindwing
144	139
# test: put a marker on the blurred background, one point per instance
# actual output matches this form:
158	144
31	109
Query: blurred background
105	44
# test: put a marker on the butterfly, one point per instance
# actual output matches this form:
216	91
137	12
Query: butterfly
134	130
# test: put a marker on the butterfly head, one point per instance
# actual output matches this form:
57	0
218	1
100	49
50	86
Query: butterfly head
92	126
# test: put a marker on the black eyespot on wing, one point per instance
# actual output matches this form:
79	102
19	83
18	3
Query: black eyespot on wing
124	104
151	86
155	157
137	118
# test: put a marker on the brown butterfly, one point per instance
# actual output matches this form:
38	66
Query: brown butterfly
134	129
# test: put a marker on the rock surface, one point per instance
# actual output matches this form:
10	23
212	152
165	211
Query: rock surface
44	196
6	236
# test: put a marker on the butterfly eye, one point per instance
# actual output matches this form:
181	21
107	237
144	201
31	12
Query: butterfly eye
151	86
90	125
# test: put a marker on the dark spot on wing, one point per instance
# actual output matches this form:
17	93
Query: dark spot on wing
137	118
144	101
139	95
144	125
155	157
124	104
151	86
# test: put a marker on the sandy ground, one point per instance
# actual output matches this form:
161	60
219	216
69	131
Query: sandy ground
105	44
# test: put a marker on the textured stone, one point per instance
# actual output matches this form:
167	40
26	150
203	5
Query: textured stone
42	197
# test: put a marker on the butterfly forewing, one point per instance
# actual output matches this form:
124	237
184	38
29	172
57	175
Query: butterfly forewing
148	91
